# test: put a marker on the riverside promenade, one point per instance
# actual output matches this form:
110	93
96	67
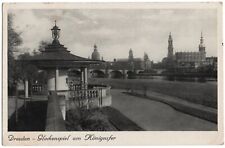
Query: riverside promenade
156	116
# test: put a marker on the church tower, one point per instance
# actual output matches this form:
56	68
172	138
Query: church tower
201	45
95	54
170	47
131	57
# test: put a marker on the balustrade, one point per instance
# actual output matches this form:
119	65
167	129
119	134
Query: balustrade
37	88
86	96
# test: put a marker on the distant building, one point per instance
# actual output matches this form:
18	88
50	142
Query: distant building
95	54
185	60
147	63
119	68
211	61
133	63
193	59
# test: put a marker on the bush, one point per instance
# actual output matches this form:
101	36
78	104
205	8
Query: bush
87	120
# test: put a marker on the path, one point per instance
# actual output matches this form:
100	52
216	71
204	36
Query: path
155	116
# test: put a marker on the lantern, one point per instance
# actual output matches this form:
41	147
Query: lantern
55	32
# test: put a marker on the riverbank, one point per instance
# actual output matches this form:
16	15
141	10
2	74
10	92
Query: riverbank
199	93
201	111
153	115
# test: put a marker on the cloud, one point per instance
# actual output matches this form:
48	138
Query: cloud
115	31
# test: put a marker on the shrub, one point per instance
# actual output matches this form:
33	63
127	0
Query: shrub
88	120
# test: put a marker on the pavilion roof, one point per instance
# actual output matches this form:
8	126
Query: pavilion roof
56	55
59	57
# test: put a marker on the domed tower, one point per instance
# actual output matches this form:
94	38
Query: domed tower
201	45
95	54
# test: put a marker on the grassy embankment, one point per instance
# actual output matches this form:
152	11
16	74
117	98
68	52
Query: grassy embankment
200	93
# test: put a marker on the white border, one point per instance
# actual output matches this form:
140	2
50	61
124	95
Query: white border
126	138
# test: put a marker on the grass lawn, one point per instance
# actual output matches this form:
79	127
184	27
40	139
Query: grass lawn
200	93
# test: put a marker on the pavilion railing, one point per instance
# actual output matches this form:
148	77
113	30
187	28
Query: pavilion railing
93	94
39	89
75	87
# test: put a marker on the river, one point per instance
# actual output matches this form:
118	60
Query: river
181	79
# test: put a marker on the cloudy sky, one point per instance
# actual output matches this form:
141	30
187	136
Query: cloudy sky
115	31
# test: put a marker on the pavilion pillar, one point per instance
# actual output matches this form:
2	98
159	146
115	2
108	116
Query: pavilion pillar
51	80
85	73
84	77
84	83
81	78
56	78
26	88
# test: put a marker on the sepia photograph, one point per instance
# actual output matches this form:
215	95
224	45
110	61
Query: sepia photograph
97	67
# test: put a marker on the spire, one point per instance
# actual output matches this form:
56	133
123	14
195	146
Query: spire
170	47
170	36
201	40
201	45
95	47
131	54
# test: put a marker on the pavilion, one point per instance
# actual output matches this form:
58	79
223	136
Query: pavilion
57	61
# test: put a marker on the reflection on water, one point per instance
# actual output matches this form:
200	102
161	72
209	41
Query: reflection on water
181	78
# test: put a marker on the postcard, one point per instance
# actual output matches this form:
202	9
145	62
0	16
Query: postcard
112	73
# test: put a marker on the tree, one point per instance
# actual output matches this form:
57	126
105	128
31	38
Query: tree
25	69
17	70
42	45
14	40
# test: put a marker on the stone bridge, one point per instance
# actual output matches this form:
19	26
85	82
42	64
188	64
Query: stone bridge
110	73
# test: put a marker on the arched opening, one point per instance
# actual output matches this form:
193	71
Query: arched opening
97	74
74	76
116	75
39	83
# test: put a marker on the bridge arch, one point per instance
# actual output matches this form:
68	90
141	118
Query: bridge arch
74	73
141	71
116	74
97	74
